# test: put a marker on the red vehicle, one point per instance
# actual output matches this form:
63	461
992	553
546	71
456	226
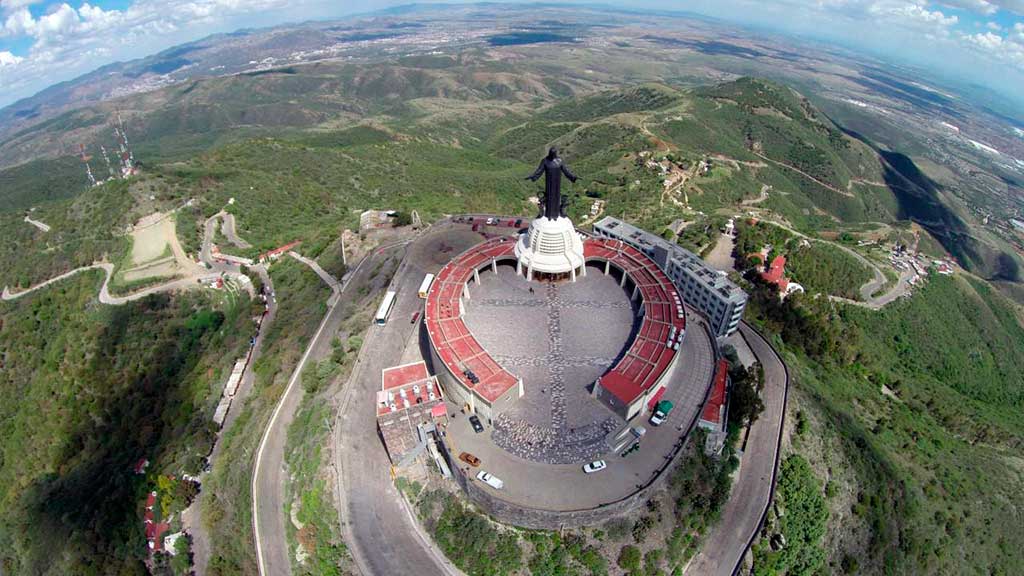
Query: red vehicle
415	317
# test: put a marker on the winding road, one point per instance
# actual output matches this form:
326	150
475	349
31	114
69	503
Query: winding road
728	541
269	474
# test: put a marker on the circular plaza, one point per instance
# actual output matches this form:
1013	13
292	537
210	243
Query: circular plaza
562	370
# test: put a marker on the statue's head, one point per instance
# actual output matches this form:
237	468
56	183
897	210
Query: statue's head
552	153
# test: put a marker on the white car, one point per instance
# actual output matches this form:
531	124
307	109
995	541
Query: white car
490	221
595	466
490	479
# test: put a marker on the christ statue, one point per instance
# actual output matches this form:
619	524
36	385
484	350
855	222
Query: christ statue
552	167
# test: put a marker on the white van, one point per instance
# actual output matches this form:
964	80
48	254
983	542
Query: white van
490	479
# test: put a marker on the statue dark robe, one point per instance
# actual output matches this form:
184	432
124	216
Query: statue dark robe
552	168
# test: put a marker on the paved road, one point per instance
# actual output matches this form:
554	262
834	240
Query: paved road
383	537
727	543
213	271
104	295
228	228
268	479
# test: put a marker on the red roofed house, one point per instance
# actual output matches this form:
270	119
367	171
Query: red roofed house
776	273
713	417
154	530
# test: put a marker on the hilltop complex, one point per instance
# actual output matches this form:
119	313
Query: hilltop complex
560	343
703	287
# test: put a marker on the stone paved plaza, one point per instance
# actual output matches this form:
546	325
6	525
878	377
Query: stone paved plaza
559	338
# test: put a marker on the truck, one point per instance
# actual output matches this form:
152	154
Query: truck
661	412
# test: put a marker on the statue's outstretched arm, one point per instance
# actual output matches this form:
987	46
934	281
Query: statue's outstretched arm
536	174
568	173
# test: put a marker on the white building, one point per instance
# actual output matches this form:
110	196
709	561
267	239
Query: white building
703	287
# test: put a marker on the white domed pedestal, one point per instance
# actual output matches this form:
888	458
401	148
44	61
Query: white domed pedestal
550	247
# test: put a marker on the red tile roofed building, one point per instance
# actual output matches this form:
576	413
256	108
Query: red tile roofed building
713	417
776	273
273	254
409	396
154	530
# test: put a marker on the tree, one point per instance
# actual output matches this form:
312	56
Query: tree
629	558
403	218
745	403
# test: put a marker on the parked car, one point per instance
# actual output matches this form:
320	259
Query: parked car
469	459
491	221
661	412
519	223
639	431
477	426
595	466
415	317
490	479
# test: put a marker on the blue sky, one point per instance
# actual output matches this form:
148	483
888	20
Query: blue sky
47	41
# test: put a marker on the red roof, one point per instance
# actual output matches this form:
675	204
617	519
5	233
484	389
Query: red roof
451	338
280	250
640	369
398	376
775	274
713	412
155	534
649	356
438	411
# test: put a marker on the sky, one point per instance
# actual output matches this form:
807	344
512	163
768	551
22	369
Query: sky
43	42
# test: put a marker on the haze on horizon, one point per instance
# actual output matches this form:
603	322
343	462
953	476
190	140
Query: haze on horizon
981	42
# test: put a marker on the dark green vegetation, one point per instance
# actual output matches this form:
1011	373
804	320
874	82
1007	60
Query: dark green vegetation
227	495
468	538
817	266
937	464
42	181
311	494
797	529
99	388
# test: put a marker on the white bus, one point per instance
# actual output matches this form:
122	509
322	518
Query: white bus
425	286
385	308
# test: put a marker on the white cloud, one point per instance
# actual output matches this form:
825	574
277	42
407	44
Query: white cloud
978	6
8	59
994	26
8	6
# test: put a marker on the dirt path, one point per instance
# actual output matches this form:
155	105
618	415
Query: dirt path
38	224
331	281
868	288
104	295
760	198
805	175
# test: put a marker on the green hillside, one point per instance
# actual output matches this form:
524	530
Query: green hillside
920	407
98	388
